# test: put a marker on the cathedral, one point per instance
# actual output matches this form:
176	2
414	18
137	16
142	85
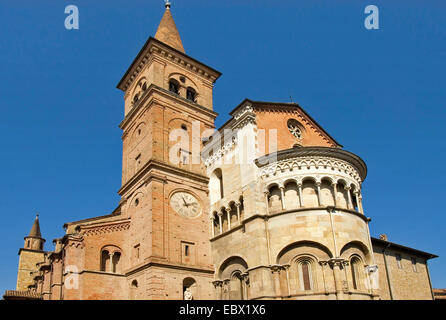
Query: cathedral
268	206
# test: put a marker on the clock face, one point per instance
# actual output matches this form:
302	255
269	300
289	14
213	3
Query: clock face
185	204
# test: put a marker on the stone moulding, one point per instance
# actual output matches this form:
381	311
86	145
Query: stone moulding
312	157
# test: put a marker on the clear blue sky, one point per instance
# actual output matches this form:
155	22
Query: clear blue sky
380	93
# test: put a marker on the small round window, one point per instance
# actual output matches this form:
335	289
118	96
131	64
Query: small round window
295	128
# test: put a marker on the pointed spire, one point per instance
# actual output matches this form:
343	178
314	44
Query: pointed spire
35	230
167	30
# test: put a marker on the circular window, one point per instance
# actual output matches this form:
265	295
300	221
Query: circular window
295	128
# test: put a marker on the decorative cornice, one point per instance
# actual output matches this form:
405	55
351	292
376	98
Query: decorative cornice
227	147
295	155
154	46
102	229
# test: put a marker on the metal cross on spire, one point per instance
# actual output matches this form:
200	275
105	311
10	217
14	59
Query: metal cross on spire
167	4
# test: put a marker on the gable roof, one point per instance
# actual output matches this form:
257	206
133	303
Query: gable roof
280	104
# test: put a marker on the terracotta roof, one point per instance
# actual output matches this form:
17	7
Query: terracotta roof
167	31
439	294
278	104
13	294
35	230
427	255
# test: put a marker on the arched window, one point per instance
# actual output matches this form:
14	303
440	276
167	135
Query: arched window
309	194
242	209
105	259
306	278
327	197
115	261
353	197
342	195
304	273
291	195
133	289
110	259
274	199
191	94
189	289
216	223
140	88
233	214
355	266
174	86
216	185
236	286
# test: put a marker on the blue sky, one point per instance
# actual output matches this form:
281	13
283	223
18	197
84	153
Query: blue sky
380	93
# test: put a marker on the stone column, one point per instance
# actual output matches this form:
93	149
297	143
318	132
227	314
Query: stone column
318	186
218	286
336	266
349	197
282	196
275	270
345	265
266	201
323	265
301	199
228	214
110	267
238	212
226	289
220	224
359	200
286	267
335	192
212	218
245	278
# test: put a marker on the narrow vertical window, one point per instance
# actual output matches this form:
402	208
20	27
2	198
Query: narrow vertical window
173	86
190	94
222	194
105	258
306	276
355	286
356	265
115	262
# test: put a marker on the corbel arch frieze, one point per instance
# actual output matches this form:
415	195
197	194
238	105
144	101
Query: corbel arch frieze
317	165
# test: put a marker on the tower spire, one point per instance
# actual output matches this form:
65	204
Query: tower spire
167	30
35	230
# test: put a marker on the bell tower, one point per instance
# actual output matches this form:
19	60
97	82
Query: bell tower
31	254
168	110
